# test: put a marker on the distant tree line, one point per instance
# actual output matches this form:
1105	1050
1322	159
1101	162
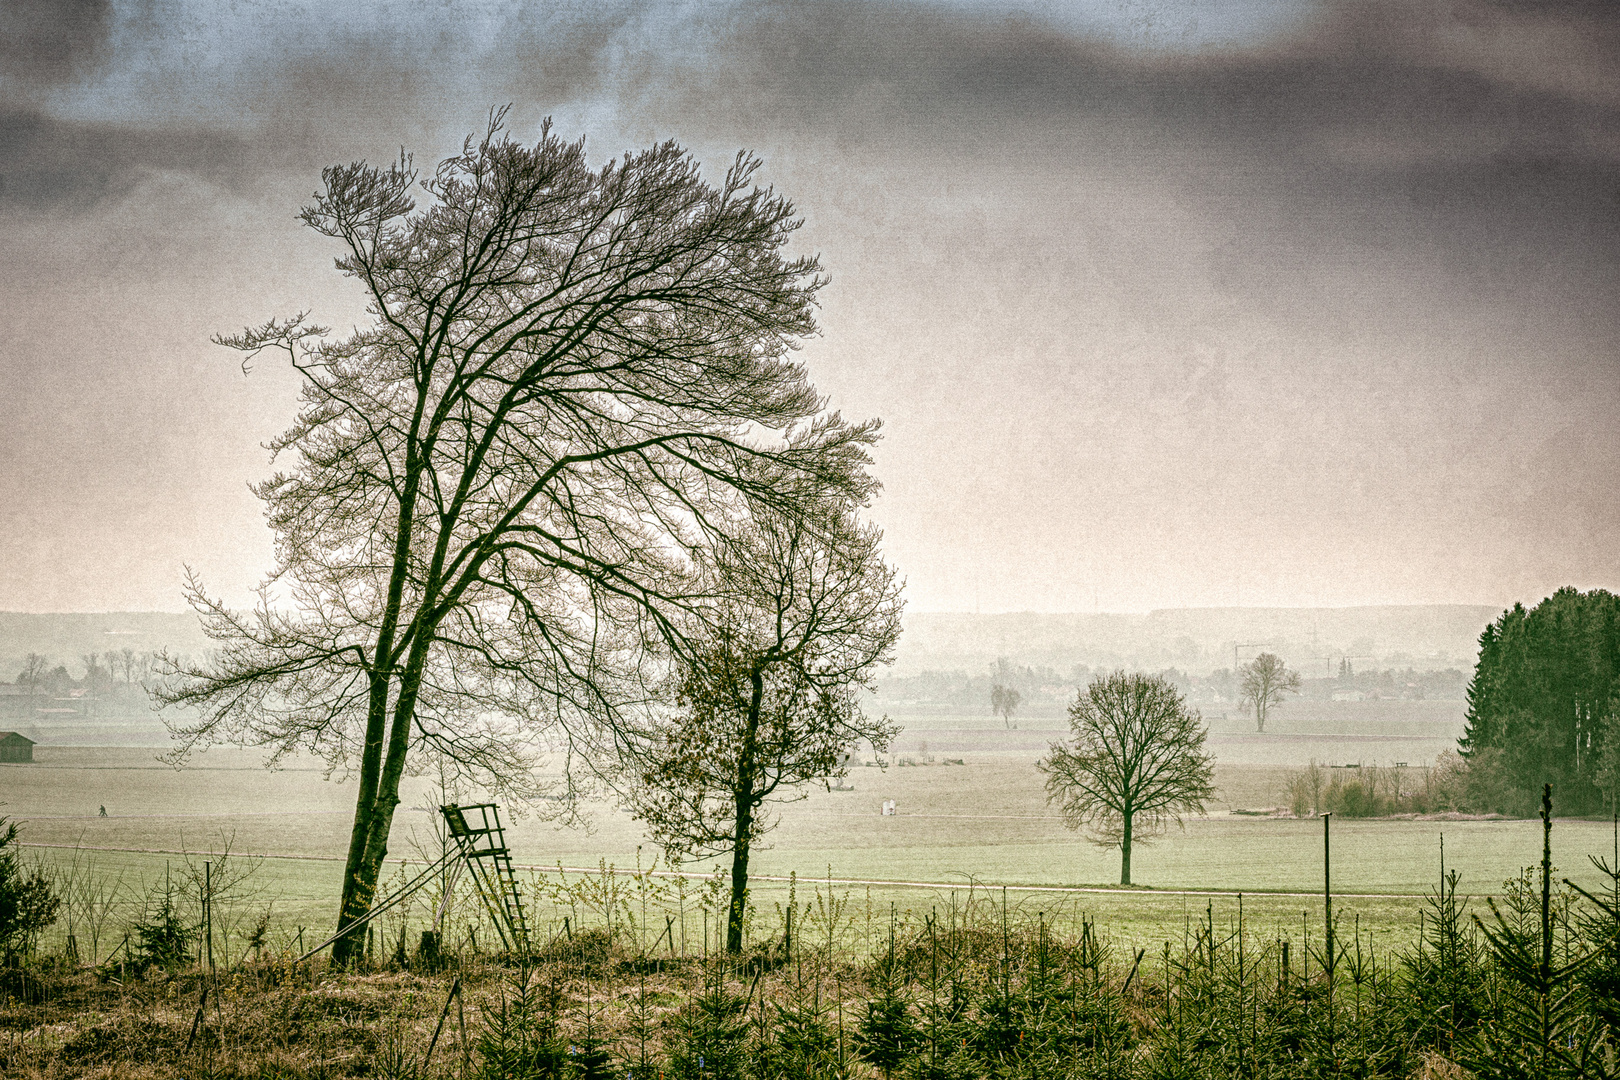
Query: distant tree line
1544	705
1045	691
101	671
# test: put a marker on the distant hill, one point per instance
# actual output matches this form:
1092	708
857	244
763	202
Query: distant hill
64	638
1199	640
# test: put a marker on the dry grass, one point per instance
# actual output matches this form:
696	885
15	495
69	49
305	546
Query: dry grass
273	1021
261	1021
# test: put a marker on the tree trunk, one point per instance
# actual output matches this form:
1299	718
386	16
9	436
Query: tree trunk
1125	853
386	797
1260	717
743	822
358	887
739	883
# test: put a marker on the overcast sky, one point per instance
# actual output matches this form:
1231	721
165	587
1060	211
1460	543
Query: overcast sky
1160	304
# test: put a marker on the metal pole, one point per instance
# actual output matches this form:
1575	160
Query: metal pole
1327	892
208	911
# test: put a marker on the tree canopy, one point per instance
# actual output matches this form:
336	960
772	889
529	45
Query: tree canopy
1135	762
575	381
1544	701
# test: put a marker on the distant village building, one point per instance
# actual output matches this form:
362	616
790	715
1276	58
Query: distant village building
15	748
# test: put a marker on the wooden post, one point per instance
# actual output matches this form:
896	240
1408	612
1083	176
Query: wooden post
196	1021
455	989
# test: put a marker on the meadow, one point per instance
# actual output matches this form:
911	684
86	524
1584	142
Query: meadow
970	933
960	829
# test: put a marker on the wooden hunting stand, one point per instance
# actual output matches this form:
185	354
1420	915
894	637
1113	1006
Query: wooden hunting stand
480	846
481	841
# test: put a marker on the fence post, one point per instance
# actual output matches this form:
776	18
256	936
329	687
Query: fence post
1327	895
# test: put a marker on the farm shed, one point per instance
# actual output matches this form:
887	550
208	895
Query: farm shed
15	747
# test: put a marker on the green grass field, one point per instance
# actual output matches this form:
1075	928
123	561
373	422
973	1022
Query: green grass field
982	824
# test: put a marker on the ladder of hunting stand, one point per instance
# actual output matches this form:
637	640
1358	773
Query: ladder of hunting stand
481	840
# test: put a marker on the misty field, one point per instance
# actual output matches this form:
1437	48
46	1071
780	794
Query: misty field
981	824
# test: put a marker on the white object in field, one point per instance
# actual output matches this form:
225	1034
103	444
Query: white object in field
888	807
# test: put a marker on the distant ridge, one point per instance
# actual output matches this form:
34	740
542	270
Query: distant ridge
1198	640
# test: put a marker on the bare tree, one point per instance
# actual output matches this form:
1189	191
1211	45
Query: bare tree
573	380
1004	701
98	897
1135	763
35	671
1262	682
766	702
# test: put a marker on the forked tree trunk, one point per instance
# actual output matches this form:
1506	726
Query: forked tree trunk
359	886
360	874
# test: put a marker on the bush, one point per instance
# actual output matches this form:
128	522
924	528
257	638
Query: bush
1372	791
709	1035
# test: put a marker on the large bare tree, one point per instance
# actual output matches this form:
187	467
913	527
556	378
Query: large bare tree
766	701
1136	762
572	381
1262	682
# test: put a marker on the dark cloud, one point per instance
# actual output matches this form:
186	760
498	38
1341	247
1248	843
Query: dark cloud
1491	107
1481	78
51	40
1501	110
49	164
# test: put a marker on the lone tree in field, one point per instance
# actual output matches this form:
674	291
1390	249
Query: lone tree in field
765	701
1004	701
1262	682
1136	762
574	382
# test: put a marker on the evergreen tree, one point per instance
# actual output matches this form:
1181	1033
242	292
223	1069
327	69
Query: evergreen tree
1545	697
27	902
709	1035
